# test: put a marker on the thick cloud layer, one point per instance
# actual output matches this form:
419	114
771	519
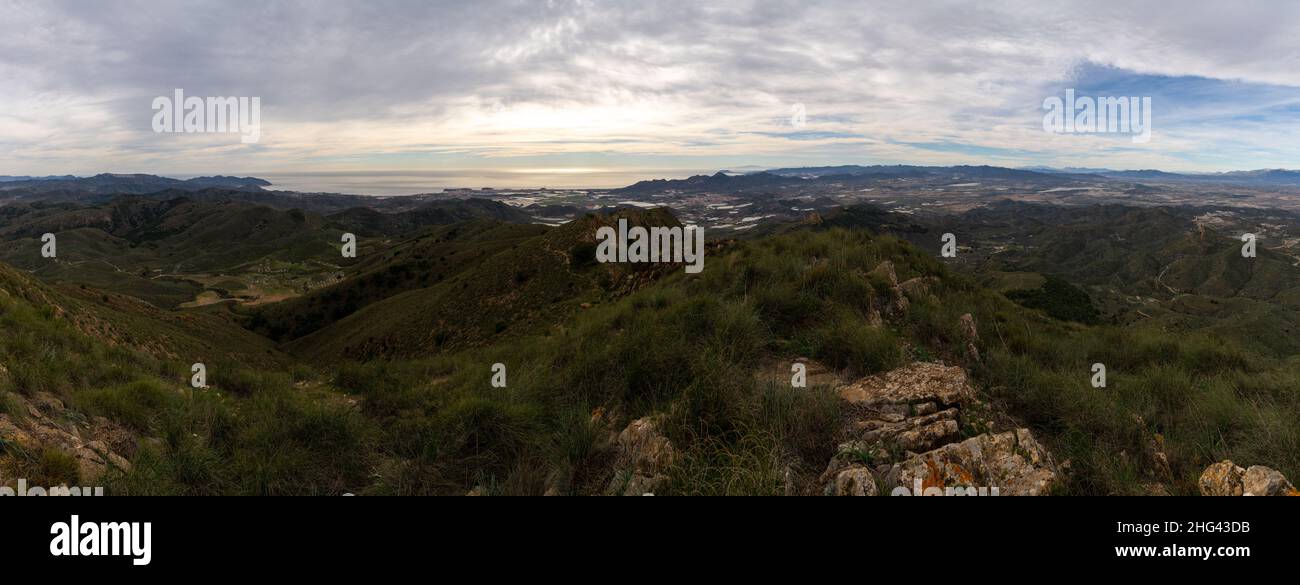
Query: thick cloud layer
572	83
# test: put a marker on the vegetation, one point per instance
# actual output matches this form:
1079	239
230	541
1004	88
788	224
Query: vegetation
696	349
1059	299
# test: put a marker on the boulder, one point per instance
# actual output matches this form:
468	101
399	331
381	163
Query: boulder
898	303
916	383
970	334
1262	481
854	481
1226	478
1222	479
643	459
919	288
1012	461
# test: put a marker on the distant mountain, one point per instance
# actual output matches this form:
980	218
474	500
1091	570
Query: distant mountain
853	171
367	221
717	182
11	178
1069	170
1260	177
1265	176
905	171
1148	175
134	184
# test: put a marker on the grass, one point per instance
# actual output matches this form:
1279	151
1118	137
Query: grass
687	348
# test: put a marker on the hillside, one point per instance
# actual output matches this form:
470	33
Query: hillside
365	221
488	291
1179	267
419	262
628	379
169	251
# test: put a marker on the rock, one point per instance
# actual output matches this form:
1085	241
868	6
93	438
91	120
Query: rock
971	335
897	300
1222	479
47	404
1226	478
885	270
919	382
11	433
1159	460
92	444
643	449
644	457
918	289
1012	461
854	481
908	424
118	438
1262	481
912	434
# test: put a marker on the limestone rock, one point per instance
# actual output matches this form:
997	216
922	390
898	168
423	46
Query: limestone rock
1262	481
97	446
898	303
919	288
915	383
644	457
854	481
1222	479
971	335
1011	461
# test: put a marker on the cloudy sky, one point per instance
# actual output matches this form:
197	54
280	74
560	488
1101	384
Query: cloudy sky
585	90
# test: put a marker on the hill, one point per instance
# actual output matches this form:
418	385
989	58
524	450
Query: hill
418	262
507	287
366	221
169	251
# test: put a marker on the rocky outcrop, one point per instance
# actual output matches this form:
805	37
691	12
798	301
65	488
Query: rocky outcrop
920	288
914	428
971	336
914	385
854	481
1225	478
643	458
898	302
43	422
1011	461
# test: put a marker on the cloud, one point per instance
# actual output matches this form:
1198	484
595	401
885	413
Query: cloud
445	85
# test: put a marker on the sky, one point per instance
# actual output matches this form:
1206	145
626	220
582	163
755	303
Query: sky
590	93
